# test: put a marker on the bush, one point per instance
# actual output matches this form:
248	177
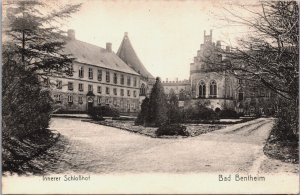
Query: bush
172	129
110	111
207	114
228	113
97	113
200	112
241	114
142	116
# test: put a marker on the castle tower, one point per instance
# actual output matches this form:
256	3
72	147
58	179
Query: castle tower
128	55
208	38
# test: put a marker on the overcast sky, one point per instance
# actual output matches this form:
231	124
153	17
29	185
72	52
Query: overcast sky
165	34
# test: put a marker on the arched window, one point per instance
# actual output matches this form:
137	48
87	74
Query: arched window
213	89
202	90
143	90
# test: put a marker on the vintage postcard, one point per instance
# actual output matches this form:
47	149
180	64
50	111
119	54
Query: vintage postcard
150	97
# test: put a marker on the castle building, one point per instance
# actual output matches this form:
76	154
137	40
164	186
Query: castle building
218	87
206	83
99	77
129	56
181	88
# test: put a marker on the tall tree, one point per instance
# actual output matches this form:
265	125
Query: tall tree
173	108
270	54
34	32
157	112
143	114
32	48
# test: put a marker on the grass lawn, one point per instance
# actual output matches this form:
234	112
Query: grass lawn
193	129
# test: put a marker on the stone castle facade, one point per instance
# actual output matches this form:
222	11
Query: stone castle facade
99	77
120	80
219	88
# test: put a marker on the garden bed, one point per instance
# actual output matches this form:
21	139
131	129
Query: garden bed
193	129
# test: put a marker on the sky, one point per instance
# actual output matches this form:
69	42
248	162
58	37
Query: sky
165	34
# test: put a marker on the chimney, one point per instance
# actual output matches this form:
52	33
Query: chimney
126	34
219	44
71	34
227	48
166	79
108	47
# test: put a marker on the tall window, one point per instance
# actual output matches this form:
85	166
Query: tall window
241	96
90	73
80	72
213	89
122	92
128	81
134	93
99	89
143	90
135	82
128	93
122	79
90	87
107	77
115	91
99	100
70	86
70	98
80	87
202	89
58	84
80	100
107	90
99	75
115	78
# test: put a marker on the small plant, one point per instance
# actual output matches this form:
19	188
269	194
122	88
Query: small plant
228	113
172	129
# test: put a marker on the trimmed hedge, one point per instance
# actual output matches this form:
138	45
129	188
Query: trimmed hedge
97	113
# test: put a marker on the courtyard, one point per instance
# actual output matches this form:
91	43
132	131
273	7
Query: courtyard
91	148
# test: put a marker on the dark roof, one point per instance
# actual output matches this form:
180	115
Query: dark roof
95	55
128	55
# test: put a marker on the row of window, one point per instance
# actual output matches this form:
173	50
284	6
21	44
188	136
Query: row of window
107	76
58	98
212	89
99	89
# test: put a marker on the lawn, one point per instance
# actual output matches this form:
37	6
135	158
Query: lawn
193	129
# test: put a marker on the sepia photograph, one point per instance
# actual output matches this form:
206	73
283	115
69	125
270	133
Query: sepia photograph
150	97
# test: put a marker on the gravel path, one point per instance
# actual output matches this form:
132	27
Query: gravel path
91	148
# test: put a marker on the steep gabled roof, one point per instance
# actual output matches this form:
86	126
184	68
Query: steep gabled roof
98	56
128	55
